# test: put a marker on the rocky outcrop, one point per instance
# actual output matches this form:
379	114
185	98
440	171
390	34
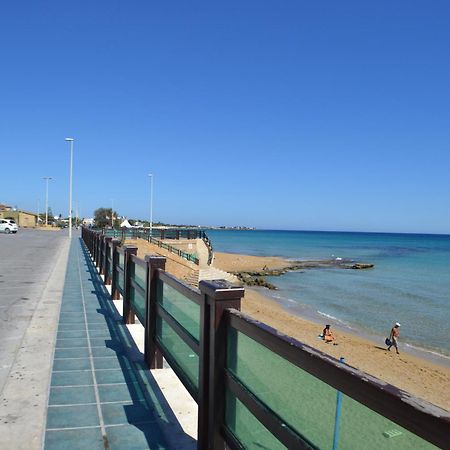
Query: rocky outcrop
254	280
360	266
257	277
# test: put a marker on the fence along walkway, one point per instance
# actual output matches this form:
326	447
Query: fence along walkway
101	395
256	388
158	235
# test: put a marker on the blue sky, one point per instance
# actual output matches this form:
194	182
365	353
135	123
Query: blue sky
318	115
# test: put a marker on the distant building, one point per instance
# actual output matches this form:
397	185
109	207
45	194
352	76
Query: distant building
24	219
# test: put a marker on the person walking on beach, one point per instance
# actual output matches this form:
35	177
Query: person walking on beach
393	337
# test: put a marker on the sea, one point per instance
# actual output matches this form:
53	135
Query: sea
410	282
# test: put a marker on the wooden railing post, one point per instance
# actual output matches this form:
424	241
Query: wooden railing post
97	249
102	254
94	243
89	240
218	295
115	258
153	356
107	268
128	314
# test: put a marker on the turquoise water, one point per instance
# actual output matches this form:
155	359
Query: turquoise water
409	284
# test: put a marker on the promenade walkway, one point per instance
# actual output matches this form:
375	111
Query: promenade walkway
101	395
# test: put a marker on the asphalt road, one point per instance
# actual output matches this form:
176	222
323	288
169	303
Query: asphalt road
27	260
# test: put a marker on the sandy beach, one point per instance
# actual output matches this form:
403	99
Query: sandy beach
418	376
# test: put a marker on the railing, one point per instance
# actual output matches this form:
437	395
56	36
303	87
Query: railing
144	234
256	388
208	243
157	233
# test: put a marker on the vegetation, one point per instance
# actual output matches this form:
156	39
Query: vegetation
102	217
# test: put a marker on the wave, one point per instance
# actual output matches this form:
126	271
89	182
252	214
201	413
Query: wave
329	316
426	350
335	319
282	298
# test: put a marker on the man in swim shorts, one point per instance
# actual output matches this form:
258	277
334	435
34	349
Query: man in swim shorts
393	337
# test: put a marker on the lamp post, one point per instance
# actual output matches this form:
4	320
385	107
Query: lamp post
70	186
46	198
112	213
151	202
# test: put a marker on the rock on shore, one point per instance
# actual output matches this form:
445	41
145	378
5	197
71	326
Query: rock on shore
257	277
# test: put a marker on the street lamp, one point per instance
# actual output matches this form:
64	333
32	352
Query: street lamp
112	213
151	202
46	198
70	188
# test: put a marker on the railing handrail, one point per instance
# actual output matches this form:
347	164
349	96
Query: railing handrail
138	261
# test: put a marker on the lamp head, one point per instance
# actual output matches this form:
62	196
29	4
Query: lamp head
69	139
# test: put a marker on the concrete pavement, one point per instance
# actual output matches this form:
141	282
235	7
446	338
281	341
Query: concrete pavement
32	270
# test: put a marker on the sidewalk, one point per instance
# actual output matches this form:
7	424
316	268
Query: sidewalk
101	395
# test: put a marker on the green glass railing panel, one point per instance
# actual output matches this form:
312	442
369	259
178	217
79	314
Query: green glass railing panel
120	280
138	304
308	405
181	308
139	275
360	427
183	355
248	430
302	401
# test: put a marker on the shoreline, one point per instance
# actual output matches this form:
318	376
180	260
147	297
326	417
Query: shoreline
424	376
319	318
277	266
